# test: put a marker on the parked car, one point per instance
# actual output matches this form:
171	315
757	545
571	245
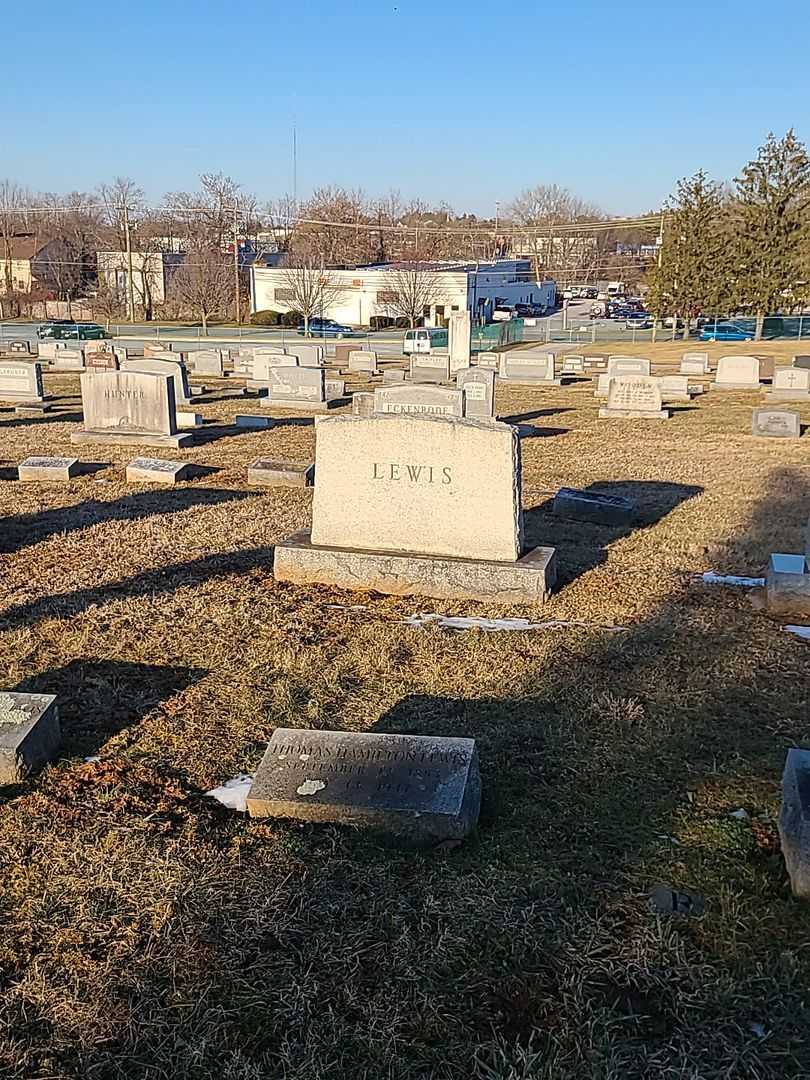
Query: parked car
638	320
68	330
424	338
502	313
529	311
325	328
725	332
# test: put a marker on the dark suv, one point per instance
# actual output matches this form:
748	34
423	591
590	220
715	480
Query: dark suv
68	330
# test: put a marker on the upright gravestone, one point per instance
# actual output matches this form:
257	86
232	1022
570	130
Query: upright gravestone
573	365
595	362
528	368
790	384
628	365
633	397
20	381
263	362
174	368
776	423
418	505
416	400
393	376
420	789
458	333
20	347
29	734
208	362
478	387
737	373
157	348
68	360
363	362
129	408
677	388
489	361
298	388
47	350
695	363
309	355
362	404
794	820
430	367
801	361
100	355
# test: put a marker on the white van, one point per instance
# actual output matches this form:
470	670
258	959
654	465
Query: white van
423	339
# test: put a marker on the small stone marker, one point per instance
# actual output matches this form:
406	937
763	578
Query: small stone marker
695	363
787	583
489	361
776	423
595	362
458	336
393	376
419	400
48	468
677	388
250	420
33	408
19	347
528	367
281	473
790	384
264	361
572	364
801	361
207	362
421	789
767	366
628	365
157	348
430	367
634	397
478	388
363	361
595	507
309	355
794	821
737	373
129	407
187	420
602	385
100	354
29	734
20	381
362	404
155	471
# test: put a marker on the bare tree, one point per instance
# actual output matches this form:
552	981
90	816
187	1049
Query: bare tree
203	284
114	197
13	221
310	289
409	289
109	301
336	232
538	210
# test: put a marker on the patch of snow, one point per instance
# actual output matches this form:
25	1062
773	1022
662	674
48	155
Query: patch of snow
799	631
740	815
472	622
310	787
233	793
710	578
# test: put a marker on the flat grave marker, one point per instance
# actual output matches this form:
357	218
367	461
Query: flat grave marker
51	469
772	423
594	507
156	471
271	473
29	734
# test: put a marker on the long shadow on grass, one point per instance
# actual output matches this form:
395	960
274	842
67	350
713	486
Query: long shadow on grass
39	421
165	579
582	545
25	530
99	698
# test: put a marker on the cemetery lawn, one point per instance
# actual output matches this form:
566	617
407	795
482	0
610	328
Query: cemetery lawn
150	933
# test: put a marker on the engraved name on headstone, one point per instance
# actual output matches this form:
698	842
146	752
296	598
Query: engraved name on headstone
419	400
20	381
633	397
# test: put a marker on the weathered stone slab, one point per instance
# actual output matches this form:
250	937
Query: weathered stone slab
157	471
528	367
33	408
419	400
207	362
794	820
20	381
48	468
309	354
478	389
334	389
248	420
695	363
602	385
489	361
186	420
595	507
271	473
29	734
776	423
628	365
676	388
418	484
767	366
430	367
393	375
158	366
68	360
528	581
458	337
264	361
47	350
362	404
595	362
787	583
129	407
158	348
790	384
363	362
737	373
801	361
572	364
421	789
296	387
634	397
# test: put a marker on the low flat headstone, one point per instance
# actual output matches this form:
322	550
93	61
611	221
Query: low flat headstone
420	789
48	468
129	407
595	507
737	373
787	583
186	420
430	367
790	384
695	363
362	404
248	420
281	473
794	820
393	376
207	362
776	423
33	408
528	367
363	361
478	388
628	365
29	734
20	381
489	361
419	400
156	471
633	397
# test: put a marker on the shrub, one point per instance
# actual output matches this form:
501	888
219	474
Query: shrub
266	318
290	318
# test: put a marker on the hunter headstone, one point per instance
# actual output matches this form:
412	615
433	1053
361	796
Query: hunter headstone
419	400
129	407
633	397
776	423
29	734
737	373
20	381
794	820
420	789
478	387
176	369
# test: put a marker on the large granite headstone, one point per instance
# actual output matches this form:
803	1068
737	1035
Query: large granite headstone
421	789
419	400
129	407
29	734
634	397
737	373
794	820
528	367
20	381
478	388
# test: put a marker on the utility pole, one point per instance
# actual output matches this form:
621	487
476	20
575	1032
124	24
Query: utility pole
130	289
237	300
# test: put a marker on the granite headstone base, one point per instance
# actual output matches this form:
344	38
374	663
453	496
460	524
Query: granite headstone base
50	469
595	507
281	473
113	438
528	581
29	734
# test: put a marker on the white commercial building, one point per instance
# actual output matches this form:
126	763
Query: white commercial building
360	295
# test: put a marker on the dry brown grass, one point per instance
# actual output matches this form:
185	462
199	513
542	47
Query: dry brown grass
150	934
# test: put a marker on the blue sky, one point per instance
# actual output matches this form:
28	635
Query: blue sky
463	102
